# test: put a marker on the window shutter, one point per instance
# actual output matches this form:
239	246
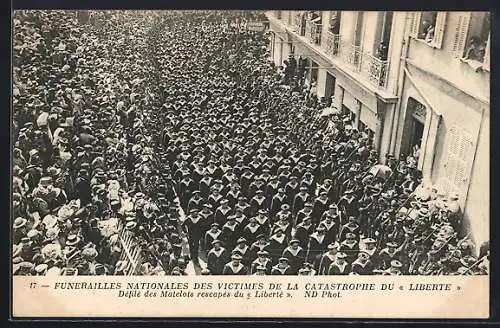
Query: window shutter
439	29
486	61
460	148
461	31
414	22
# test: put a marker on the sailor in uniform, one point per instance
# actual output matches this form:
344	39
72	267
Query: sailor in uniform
387	255
235	267
222	212
252	230
306	211
193	225
352	226
282	268
243	249
328	258
277	244
331	229
260	245
230	232
217	258
340	266
295	255
303	230
214	233
320	206
262	260
316	246
362	265
284	224
350	246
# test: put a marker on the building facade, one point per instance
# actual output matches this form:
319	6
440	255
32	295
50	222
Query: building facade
414	81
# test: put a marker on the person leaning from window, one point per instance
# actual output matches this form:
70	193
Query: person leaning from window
476	49
427	31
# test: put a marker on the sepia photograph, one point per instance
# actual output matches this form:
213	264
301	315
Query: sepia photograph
238	142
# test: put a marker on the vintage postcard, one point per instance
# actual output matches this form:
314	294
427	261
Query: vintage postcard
203	163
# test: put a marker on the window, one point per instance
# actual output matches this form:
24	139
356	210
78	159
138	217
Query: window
383	35
471	39
335	22
428	26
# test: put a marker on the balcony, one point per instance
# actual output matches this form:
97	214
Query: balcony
351	55
331	44
370	67
298	27
313	32
375	70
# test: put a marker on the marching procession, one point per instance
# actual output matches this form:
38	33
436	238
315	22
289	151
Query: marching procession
167	143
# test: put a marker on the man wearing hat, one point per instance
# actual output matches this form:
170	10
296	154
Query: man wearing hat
223	212
348	203
389	253
277	244
252	230
303	230
316	246
233	194
195	200
362	265
262	260
205	184
212	234
193	227
217	257
276	202
300	200
306	211
264	222
394	268
235	267
215	198
350	227
243	249
320	205
231	231
258	202
339	266
295	254
243	206
262	244
282	268
327	258
292	189
350	246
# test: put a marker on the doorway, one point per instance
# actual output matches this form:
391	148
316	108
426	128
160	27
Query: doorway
329	86
415	125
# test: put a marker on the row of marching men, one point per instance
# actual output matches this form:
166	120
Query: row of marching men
339	259
230	223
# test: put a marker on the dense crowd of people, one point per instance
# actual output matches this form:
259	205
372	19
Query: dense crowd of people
168	138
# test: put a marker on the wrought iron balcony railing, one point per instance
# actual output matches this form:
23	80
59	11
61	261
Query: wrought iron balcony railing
331	44
351	54
375	70
313	31
298	27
